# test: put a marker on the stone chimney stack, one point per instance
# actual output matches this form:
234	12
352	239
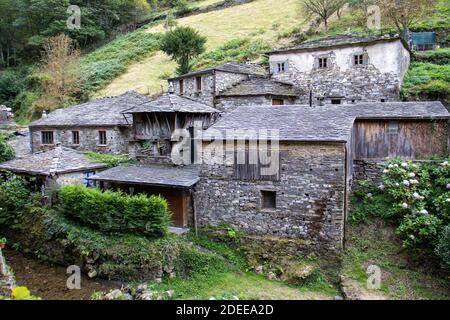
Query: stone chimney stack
171	88
44	114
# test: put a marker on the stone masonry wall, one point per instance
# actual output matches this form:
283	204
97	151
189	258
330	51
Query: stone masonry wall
227	104
117	139
206	95
310	196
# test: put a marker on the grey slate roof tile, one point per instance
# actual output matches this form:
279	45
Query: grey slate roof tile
156	175
101	112
57	160
261	86
232	67
172	103
321	123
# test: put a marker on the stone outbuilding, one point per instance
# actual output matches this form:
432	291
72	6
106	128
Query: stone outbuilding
204	85
58	166
6	115
345	69
98	125
314	150
259	90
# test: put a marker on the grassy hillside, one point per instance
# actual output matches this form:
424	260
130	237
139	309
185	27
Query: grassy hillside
260	20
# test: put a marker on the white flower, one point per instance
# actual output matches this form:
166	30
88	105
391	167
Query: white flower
448	186
447	200
414	181
385	171
381	187
412	237
404	205
369	195
416	195
412	175
415	165
404	165
445	163
425	212
406	183
395	165
422	198
397	184
390	166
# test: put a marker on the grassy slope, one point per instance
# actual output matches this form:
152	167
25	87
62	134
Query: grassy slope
257	19
376	243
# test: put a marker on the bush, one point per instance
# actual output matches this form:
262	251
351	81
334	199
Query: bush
110	160
6	151
443	246
14	197
114	211
439	56
419	231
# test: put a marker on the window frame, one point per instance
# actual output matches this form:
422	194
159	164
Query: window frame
76	137
323	63
280	67
199	83
266	197
181	84
88	183
278	100
100	138
44	140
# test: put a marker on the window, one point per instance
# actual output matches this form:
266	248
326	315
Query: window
86	182
102	137
393	128
336	101
383	100
277	102
76	137
199	84
280	67
320	100
181	87
323	63
269	200
359	60
47	137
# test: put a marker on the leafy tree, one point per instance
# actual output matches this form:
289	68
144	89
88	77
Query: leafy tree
323	9
404	13
6	151
183	44
60	73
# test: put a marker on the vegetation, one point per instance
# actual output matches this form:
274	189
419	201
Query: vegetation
438	56
322	9
110	211
6	151
111	160
183	44
415	198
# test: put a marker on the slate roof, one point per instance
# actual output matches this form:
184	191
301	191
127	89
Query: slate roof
337	41
101	112
231	67
155	175
172	103
320	123
261	86
58	160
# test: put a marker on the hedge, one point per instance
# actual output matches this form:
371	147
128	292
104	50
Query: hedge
110	211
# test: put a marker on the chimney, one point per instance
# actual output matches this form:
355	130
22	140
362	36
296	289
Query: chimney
44	114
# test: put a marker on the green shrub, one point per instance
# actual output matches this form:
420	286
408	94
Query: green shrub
6	151
14	197
443	247
110	160
115	211
419	231
439	56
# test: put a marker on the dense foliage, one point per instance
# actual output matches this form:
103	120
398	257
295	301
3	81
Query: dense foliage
416	198
6	151
110	211
111	160
183	44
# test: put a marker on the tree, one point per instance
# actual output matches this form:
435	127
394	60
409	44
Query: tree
323	9
404	13
60	73
183	44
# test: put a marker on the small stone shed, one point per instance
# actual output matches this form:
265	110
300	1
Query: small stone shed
308	198
259	90
155	121
60	165
98	125
204	85
173	183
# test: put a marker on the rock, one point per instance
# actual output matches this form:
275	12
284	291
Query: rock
297	272
158	280
169	294
338	298
259	269
271	276
92	273
172	275
145	295
141	288
168	269
114	295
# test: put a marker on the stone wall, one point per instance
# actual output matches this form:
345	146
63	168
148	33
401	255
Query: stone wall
310	196
7	280
117	139
368	170
206	95
378	79
227	104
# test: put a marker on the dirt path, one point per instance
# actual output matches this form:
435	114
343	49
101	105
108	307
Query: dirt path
49	281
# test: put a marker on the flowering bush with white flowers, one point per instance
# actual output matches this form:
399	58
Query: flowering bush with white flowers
414	196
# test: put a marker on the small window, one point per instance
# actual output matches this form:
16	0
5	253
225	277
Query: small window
76	137
383	100
47	137
359	60
269	199
86	182
323	63
320	100
181	87
393	128
102	137
199	84
277	102
281	67
336	101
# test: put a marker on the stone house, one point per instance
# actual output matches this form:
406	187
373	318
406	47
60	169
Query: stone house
318	151
344	69
58	166
98	125
205	85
